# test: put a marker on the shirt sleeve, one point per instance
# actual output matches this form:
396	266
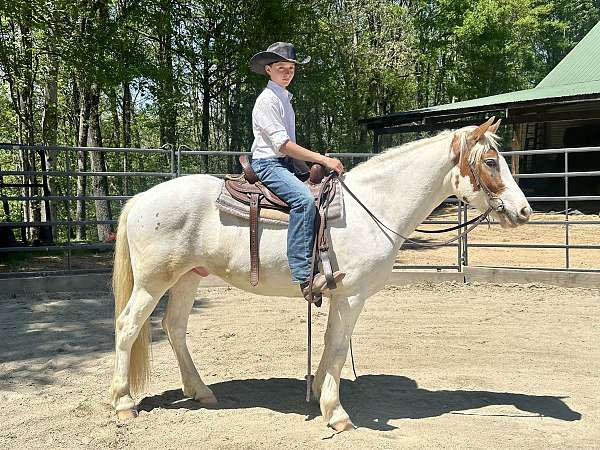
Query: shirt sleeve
269	120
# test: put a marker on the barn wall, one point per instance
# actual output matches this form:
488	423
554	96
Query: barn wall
584	131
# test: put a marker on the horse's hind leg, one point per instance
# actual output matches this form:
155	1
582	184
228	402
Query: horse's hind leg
343	313
130	322
181	300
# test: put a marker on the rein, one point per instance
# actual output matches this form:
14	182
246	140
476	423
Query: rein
455	227
495	204
473	223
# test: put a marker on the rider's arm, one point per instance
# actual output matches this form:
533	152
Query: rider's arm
298	152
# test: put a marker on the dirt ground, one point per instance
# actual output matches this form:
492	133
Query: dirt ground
439	366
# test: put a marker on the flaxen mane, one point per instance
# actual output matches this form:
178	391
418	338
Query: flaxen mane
489	141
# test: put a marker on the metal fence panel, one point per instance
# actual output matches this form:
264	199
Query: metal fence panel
178	164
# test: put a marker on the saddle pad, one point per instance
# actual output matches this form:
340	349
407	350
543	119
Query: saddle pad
226	203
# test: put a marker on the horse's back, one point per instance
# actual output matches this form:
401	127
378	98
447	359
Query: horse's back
199	185
173	214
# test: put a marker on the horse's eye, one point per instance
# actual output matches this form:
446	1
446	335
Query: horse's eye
491	162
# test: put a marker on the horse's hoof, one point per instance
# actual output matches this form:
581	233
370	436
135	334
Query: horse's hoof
127	414
208	402
343	425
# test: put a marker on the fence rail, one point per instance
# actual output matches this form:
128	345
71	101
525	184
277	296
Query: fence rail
174	165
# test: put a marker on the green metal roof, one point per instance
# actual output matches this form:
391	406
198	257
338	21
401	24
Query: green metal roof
537	93
581	65
577	75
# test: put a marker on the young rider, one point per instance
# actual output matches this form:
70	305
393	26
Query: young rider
273	153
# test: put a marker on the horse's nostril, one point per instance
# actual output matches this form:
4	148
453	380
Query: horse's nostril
525	212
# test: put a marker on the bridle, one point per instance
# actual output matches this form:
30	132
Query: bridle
495	203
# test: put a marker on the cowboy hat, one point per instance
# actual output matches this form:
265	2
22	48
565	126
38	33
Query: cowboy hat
279	51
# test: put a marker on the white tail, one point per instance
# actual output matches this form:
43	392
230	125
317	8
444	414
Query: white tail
122	282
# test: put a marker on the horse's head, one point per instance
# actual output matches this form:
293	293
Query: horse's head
482	178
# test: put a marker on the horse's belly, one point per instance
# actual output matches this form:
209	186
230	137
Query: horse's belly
231	261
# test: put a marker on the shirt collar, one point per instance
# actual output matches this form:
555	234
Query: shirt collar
279	90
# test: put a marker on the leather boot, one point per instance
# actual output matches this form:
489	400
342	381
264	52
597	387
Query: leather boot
319	285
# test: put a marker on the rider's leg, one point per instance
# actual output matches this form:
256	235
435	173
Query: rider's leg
276	175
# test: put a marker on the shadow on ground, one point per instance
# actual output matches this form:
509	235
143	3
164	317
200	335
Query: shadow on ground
372	400
41	335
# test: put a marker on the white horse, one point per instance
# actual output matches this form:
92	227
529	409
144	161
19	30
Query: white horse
175	227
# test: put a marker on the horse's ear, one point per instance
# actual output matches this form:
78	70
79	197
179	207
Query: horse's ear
494	127
479	132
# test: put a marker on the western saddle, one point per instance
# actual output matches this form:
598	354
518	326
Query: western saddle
247	189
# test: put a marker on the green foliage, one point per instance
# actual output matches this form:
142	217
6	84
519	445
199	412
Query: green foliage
369	57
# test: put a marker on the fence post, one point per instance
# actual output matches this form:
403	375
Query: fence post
567	209
465	252
179	161
173	169
460	239
69	216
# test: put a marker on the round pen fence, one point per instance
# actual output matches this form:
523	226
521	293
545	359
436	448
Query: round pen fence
62	219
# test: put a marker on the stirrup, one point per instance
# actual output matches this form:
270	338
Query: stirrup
315	298
319	285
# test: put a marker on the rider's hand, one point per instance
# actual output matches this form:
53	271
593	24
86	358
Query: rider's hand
334	164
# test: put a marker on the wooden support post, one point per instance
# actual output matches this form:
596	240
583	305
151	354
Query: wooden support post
376	143
517	144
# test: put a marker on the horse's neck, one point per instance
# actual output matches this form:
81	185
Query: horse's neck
403	186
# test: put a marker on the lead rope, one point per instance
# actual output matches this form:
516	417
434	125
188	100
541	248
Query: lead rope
352	358
473	222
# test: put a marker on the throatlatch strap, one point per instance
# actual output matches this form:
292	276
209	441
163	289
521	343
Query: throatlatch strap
254	262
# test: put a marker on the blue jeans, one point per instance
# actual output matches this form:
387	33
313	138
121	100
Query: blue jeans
277	174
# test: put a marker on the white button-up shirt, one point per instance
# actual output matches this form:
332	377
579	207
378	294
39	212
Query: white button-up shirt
273	122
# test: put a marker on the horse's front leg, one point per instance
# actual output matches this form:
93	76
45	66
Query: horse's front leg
343	313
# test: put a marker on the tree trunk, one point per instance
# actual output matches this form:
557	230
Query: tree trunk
115	139
7	236
206	97
49	135
26	112
236	133
127	113
75	108
99	184
166	83
84	116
